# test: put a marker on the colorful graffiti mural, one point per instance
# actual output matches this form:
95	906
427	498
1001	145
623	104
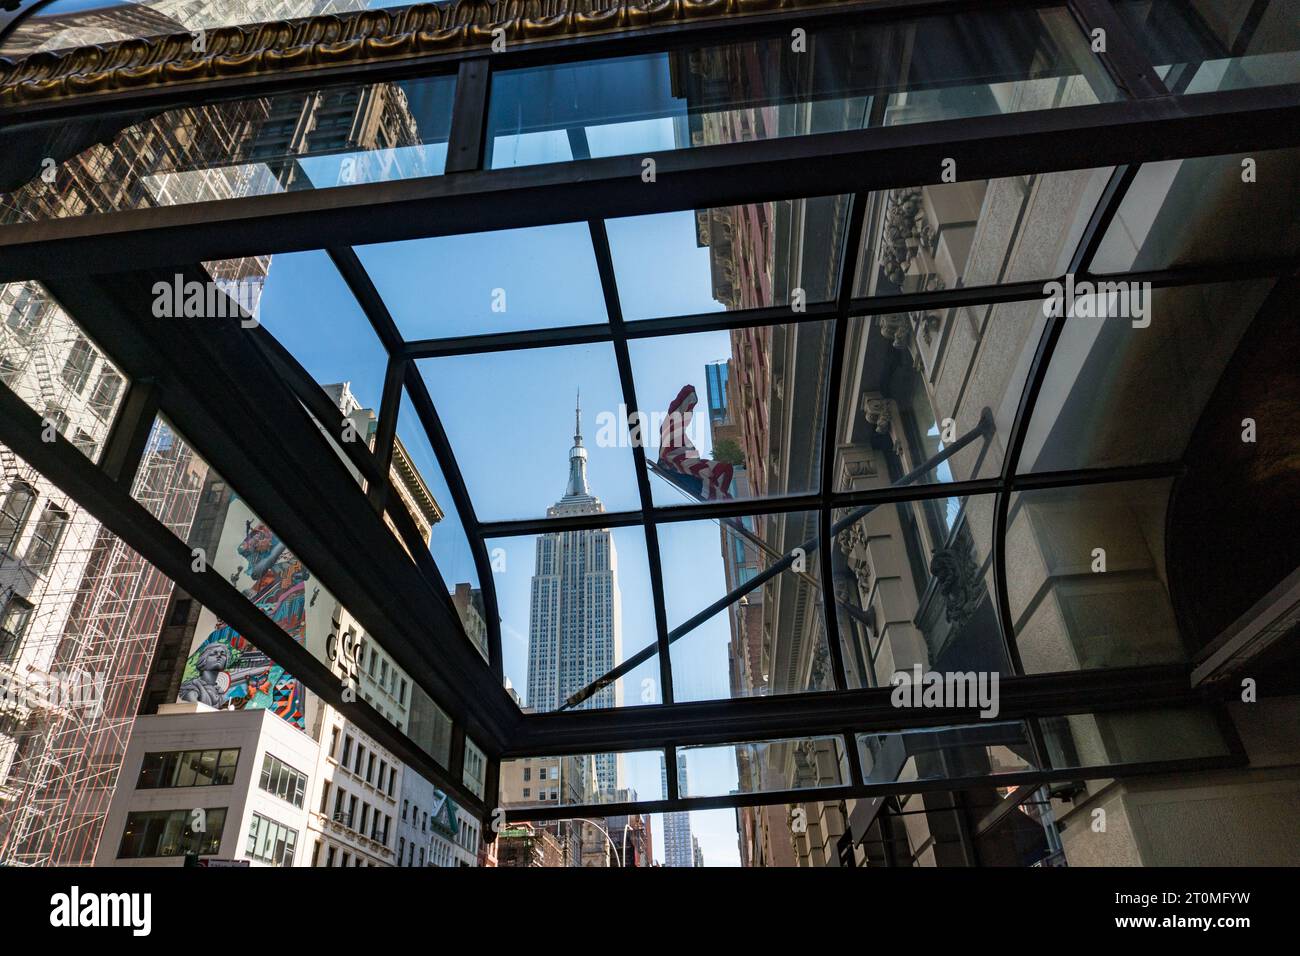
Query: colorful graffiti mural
225	670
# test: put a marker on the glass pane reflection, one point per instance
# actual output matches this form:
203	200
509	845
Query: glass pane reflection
733	414
337	136
420	485
1225	45
916	383
53	366
562	597
1086	577
762	766
974	233
1128	391
914	587
946	753
883	74
772	641
1205	210
729	257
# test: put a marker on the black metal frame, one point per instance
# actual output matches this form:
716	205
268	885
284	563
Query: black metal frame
1150	124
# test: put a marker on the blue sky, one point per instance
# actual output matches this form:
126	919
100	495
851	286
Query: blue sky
509	417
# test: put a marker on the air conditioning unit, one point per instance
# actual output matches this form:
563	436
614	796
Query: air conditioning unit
1271	618
344	818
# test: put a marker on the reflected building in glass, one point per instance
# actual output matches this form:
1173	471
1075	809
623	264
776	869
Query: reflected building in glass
575	611
678	841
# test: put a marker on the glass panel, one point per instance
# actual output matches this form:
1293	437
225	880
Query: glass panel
1125	737
56	369
914	588
583	779
421	487
975	233
905	71
65	24
338	136
1087	579
1159	352
772	641
429	726
1199	46
1206	210
488	281
729	257
561	597
915	383
945	753
301	299
762	767
492	429
759	434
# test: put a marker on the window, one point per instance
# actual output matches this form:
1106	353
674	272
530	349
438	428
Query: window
270	842
283	781
361	753
84	443
167	833
180	613
329	856
13	626
104	397
347	750
187	768
324	796
14	512
76	370
334	741
474	766
46	537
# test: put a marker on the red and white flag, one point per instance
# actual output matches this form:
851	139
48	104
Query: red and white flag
677	454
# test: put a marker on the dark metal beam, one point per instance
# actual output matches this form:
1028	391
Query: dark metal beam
623	357
126	442
800	715
1103	134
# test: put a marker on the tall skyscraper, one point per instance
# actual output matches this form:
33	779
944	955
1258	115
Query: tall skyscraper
679	850
575	618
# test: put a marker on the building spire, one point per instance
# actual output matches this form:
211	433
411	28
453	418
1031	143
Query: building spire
577	457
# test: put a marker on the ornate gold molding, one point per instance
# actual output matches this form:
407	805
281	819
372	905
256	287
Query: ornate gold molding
366	36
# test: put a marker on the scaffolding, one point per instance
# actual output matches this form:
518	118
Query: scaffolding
91	611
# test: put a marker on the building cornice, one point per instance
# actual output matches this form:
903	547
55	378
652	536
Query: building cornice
362	37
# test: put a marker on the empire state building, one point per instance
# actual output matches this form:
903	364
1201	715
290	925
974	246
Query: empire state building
574	625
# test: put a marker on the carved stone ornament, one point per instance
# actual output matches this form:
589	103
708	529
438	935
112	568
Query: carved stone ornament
853	545
959	581
333	40
907	232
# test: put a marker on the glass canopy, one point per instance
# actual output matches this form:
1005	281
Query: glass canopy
776	446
